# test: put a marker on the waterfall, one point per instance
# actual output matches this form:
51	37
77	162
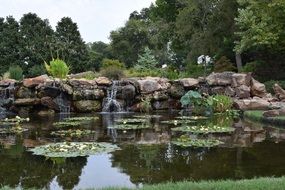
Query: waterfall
63	104
110	103
6	95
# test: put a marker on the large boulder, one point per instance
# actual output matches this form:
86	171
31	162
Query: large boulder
189	83
82	84
85	94
128	92
176	90
258	89
239	79
49	91
279	92
255	103
220	79
152	84
27	101
86	106
242	91
160	105
33	82
24	92
83	75
49	103
7	82
160	95
103	81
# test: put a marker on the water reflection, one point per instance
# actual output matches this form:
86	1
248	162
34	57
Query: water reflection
146	156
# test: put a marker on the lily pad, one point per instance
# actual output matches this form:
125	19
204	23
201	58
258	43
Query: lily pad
13	130
204	129
72	119
63	124
178	122
129	121
77	133
130	126
13	121
147	116
192	117
73	149
185	141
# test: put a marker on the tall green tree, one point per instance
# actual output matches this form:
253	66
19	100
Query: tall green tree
70	46
36	38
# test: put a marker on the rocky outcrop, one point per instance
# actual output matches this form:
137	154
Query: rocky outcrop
86	106
258	89
151	84
220	79
279	92
255	103
189	83
33	82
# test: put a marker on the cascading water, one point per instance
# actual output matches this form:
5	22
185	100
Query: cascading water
6	96
110	103
64	106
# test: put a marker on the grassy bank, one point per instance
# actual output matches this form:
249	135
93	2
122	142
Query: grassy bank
258	116
252	184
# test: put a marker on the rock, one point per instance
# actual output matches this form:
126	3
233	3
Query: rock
103	81
152	84
176	90
27	101
86	94
242	91
67	88
239	79
255	103
189	83
271	113
160	105
258	89
33	82
48	102
46	113
83	75
49	91
128	92
174	104
24	92
85	106
160	95
218	90
229	91
220	79
7	82
279	92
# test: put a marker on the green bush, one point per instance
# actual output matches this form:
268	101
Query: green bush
36	70
113	72
16	72
251	66
269	85
220	103
224	64
57	68
112	63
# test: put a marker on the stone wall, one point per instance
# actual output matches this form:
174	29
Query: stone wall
45	94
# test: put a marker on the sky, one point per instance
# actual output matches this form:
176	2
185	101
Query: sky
95	18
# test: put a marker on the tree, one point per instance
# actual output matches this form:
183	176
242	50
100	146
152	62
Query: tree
70	45
10	49
146	61
36	38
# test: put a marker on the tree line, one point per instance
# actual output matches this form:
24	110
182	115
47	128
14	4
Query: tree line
239	35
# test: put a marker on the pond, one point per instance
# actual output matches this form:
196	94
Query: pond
146	155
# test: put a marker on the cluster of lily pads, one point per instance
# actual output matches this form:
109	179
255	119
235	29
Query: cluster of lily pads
202	129
178	122
131	120
12	125
76	133
192	117
185	141
73	121
130	126
73	149
13	121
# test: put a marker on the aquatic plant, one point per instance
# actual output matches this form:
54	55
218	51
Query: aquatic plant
63	124
192	117
131	120
185	141
77	133
13	130
147	116
13	121
73	149
178	122
221	103
202	129
72	119
145	105
130	126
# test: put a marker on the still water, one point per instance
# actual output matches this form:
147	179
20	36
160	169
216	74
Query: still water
146	156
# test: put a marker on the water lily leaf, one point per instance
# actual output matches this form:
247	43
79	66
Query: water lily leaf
130	126
73	149
76	133
178	122
134	120
80	119
185	141
204	129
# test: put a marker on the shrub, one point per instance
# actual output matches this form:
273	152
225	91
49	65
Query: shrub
145	105
224	64
146	61
269	85
36	70
220	103
57	68
113	72
251	66
112	63
16	72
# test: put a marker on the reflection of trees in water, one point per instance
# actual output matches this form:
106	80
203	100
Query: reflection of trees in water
36	171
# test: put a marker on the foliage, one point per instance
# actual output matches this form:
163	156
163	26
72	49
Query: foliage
224	64
112	63
112	72
221	103
57	68
16	72
191	98
63	124
36	70
73	149
186	141
131	120
146	61
269	85
73	133
204	129
74	119
257	115
178	122
192	117
251	66
145	105
131	126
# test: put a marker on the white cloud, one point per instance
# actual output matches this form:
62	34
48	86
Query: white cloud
95	18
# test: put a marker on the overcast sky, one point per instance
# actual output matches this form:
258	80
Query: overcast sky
95	18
